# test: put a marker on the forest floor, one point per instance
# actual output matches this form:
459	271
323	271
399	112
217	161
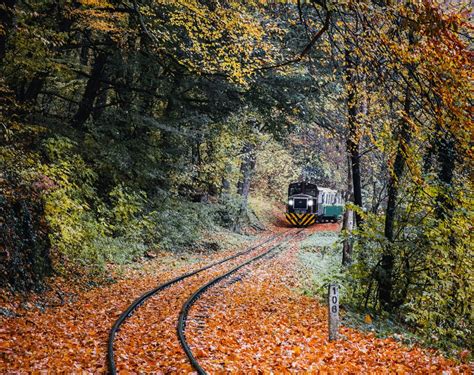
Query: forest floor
257	321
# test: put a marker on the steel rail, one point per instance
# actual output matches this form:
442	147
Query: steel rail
140	300
183	316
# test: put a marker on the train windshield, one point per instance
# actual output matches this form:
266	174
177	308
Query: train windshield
303	188
295	189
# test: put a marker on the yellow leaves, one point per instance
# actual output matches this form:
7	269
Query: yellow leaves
219	40
100	16
96	3
368	319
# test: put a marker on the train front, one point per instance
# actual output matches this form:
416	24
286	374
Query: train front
302	204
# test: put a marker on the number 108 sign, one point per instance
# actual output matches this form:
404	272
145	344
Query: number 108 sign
333	307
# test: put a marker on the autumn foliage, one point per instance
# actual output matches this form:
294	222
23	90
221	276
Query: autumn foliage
257	320
154	129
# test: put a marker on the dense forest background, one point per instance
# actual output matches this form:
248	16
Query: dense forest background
135	125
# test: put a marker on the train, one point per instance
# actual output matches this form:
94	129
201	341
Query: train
309	204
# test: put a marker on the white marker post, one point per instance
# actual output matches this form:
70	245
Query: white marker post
333	307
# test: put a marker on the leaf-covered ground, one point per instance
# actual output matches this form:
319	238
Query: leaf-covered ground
73	336
258	321
255	321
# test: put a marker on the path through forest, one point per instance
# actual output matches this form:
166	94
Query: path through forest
256	320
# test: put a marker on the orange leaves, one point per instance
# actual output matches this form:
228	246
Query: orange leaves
250	323
296	350
368	319
259	323
72	337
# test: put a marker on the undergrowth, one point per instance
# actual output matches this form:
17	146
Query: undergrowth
90	229
320	256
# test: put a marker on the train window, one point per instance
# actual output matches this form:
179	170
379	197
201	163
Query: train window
295	189
311	190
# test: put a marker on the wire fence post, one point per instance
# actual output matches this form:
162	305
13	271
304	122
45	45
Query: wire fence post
333	311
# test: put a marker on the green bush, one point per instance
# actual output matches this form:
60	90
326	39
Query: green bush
432	275
87	232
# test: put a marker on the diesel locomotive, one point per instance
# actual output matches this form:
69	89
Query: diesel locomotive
309	204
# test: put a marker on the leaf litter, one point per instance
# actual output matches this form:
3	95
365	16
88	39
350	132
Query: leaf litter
255	322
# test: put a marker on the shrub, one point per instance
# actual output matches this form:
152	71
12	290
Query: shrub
432	274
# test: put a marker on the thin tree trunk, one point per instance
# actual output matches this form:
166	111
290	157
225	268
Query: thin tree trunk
398	168
225	184
246	169
388	259
84	52
243	187
348	220
91	91
446	156
353	138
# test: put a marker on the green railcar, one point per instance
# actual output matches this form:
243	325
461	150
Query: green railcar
330	205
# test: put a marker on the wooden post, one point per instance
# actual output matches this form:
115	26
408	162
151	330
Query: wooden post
333	310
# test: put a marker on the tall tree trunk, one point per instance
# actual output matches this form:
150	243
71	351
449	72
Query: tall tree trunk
212	189
200	191
385	275
246	169
84	52
91	91
398	168
243	187
353	138
387	262
446	156
225	183
348	219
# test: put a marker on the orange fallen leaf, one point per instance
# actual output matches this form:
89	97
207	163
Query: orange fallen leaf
368	319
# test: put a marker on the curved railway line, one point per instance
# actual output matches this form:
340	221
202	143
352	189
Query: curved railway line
132	308
181	328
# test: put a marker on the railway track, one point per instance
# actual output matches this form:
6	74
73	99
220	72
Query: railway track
183	316
133	307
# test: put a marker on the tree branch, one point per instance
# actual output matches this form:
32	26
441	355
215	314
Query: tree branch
308	47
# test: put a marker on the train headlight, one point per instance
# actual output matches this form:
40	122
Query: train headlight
310	203
290	202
